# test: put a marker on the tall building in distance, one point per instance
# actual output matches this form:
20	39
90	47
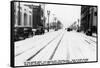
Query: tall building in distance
89	19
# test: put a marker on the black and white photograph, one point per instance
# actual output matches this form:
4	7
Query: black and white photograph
53	33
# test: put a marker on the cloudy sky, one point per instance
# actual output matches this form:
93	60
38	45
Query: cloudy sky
67	14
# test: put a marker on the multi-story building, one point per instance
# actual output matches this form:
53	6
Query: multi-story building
29	14
28	19
23	15
88	18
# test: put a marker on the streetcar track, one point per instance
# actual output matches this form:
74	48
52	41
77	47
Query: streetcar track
23	52
42	48
56	48
25	40
93	41
32	47
90	40
87	41
90	44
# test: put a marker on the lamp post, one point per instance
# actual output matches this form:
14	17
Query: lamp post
18	13
78	26
55	23
48	13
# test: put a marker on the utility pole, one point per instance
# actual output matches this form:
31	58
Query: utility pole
19	13
78	26
55	22
48	13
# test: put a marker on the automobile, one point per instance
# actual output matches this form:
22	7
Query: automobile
33	30
39	31
28	32
69	29
21	33
56	29
89	32
78	30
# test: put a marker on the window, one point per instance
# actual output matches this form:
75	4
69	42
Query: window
30	20
95	14
25	19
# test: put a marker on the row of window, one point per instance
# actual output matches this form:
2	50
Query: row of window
26	21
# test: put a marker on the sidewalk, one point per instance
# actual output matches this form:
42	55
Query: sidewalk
92	38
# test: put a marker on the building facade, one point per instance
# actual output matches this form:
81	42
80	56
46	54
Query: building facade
29	15
23	15
28	20
88	18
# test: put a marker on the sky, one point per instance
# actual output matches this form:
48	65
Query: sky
67	14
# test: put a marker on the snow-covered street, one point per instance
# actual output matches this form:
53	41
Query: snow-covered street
55	45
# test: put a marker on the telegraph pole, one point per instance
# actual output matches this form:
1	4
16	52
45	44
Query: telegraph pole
19	13
48	13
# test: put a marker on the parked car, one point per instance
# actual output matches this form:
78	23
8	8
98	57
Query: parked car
89	32
56	29
78	30
28	32
39	30
20	33
69	29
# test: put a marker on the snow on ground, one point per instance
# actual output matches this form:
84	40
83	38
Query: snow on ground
55	45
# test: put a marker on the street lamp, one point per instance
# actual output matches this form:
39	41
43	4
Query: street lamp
18	13
55	23
48	13
78	26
